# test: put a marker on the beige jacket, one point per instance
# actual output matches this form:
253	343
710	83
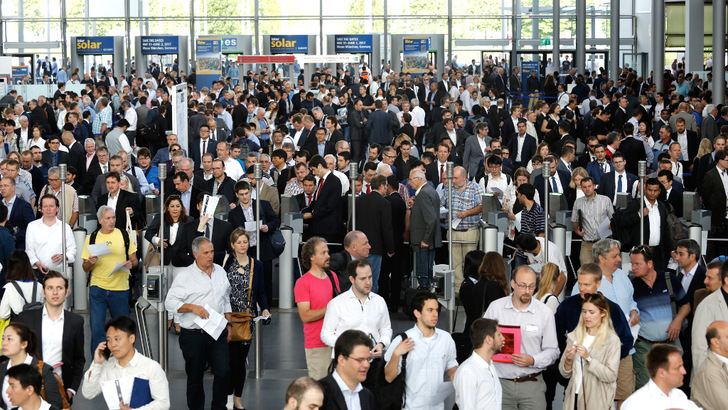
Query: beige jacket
600	376
708	389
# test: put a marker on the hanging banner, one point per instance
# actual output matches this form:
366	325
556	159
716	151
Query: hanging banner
288	44
209	63
95	45
526	68
179	114
160	44
361	43
414	51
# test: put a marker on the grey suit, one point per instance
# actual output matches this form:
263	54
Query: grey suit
690	123
473	155
709	128
425	227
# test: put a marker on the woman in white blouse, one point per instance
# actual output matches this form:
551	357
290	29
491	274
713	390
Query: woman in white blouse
175	215
36	140
20	273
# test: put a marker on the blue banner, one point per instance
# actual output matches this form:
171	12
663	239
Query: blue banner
160	44
288	44
415	52
526	68
209	63
358	43
95	45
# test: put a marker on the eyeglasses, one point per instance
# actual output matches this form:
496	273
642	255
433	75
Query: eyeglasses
522	286
361	360
52	179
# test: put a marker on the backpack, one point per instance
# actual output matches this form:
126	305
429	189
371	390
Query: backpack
64	397
621	231
392	396
33	304
92	240
677	229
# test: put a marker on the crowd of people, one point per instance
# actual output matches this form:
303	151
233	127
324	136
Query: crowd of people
580	320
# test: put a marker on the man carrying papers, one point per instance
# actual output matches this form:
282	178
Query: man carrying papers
127	379
109	268
201	293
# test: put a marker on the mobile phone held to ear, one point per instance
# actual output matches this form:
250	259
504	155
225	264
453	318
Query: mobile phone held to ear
107	353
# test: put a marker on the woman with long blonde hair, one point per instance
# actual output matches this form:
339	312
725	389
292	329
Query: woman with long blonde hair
547	286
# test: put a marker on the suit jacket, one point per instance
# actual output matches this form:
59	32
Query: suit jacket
77	158
634	151
608	187
267	217
50	384
337	264
355	119
632	218
126	199
195	153
226	188
712	308
676	197
425	219
705	164
472	155
325	209
399	210
334	399
704	392
48	161
508	130
18	220
374	218
715	202
565	179
514	83
72	355
529	150
221	231
594	169
381	126
192	211
690	123
709	128
693	144
152	230
561	166
162	155
312	147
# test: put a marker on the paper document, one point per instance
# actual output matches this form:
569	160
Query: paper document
258	318
118	390
634	329
120	267
99	249
497	192
214	325
604	229
250	226
209	204
455	222
517	222
443	212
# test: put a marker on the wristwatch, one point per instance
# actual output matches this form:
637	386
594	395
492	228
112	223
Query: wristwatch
588	359
229	324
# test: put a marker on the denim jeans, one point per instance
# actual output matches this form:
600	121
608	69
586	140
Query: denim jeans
99	300
376	261
425	259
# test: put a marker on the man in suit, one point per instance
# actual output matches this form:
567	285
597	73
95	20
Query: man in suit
59	332
351	355
514	83
380	125
712	308
686	113
600	165
221	184
116	164
475	148
305	198
707	161
434	99
324	215
522	147
319	145
620	114
510	125
187	193
712	373
76	152
356	246
657	233
617	181
425	235
53	156
558	182
202	145
672	192
267	192
436	170
374	219
686	138
214	229
20	212
566	159
120	200
357	121
713	198
709	127
163	154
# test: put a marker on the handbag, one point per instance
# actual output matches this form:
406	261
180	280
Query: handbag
130	230
152	257
277	243
241	331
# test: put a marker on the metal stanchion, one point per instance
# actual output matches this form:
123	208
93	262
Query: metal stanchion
353	172
285	271
449	174
642	173
546	172
258	175
161	309
80	290
62	168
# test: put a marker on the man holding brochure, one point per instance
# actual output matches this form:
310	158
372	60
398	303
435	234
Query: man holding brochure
201	294
108	254
120	372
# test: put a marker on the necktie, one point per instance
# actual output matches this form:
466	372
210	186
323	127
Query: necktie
214	189
55	159
619	184
310	198
318	191
442	171
554	187
369	189
204	148
602	167
207	232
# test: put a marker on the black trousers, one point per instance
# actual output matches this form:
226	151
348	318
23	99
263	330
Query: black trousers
238	354
198	349
391	276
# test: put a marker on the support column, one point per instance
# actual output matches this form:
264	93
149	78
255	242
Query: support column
658	43
258	48
516	34
534	21
694	39
719	51
579	61
64	33
614	39
387	52
321	31
449	32
192	36
127	25
556	36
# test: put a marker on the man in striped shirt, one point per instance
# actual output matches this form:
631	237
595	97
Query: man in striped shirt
589	212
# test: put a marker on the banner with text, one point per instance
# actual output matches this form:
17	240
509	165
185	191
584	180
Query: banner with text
209	63
160	44
288	44
361	43
415	51
95	45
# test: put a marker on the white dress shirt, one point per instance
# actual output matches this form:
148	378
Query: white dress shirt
52	332
139	366
346	312
477	385
351	398
233	169
43	241
6	398
652	397
111	202
683	140
687	278
654	218
193	286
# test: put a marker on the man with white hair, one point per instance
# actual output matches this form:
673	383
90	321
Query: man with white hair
331	165
709	127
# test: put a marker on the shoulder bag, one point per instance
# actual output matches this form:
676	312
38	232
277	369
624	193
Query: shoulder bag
241	331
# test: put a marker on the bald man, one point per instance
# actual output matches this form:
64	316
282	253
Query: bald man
712	373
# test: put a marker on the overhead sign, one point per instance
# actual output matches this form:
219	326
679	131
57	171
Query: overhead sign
266	59
545	42
288	44
415	51
344	58
19	70
209	62
95	45
160	44
361	43
230	44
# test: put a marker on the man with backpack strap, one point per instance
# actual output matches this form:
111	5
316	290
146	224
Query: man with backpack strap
109	273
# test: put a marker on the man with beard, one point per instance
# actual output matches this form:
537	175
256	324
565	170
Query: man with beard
476	382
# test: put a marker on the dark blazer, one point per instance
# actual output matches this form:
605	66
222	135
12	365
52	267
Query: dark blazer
381	126
608	187
195	153
18	220
632	218
73	339
152	230
221	231
48	161
312	147
336	136
594	169
676	197
126	199
77	158
432	173
39	181
374	218
337	264
693	144
705	164
476	297
50	384
399	210
508	131
715	202
564	177
325	208
258	281
634	151
334	399
529	150
267	217
425	218
89	175
355	119
192	212
226	188
162	155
